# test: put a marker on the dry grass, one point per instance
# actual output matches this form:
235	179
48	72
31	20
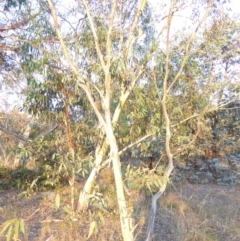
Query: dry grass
199	213
185	213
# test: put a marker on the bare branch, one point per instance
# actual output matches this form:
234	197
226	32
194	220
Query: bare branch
185	147
131	40
64	48
52	128
188	45
108	52
135	143
14	26
106	162
4	47
99	52
12	133
124	96
186	119
80	79
110	27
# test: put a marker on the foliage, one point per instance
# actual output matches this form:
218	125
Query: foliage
142	178
12	228
44	178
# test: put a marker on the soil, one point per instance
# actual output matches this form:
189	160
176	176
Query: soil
185	212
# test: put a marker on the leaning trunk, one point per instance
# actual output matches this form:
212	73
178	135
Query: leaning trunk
84	195
125	220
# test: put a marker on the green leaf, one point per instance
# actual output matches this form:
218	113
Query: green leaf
34	182
6	225
93	225
9	233
66	210
22	226
160	183
57	200
101	217
149	187
16	229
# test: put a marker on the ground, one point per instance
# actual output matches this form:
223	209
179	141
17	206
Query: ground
186	212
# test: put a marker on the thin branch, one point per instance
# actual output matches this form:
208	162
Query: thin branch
174	10
108	52
188	118
185	147
135	143
169	19
97	45
130	41
110	27
64	48
93	104
4	47
106	162
52	128
12	133
200	116
80	79
188	45
125	95
14	26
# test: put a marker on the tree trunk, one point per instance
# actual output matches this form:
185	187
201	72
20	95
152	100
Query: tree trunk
84	194
126	225
125	220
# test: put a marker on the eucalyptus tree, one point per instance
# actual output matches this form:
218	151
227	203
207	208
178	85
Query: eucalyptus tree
113	35
96	57
194	75
107	52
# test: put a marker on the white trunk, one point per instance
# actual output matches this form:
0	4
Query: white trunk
125	220
84	195
151	221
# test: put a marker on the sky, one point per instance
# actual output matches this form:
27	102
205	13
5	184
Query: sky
235	4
